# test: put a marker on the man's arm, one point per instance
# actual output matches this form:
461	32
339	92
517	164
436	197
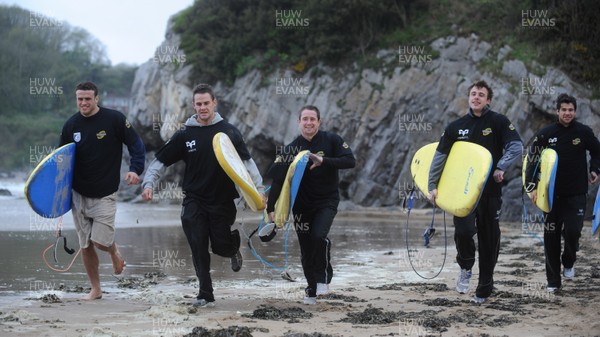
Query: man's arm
155	170
594	149
512	151
435	172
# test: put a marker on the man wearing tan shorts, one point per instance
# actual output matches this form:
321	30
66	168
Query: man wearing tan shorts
99	135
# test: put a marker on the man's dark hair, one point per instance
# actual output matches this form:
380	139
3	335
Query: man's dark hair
564	98
310	107
203	88
481	84
87	86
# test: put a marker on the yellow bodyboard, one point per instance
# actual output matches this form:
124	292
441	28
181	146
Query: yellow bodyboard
546	175
464	176
282	206
234	167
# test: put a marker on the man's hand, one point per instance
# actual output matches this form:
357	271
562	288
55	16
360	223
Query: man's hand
594	178
433	195
147	194
264	199
533	196
316	159
132	178
271	217
498	176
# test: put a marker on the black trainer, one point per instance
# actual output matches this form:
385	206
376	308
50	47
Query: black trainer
236	261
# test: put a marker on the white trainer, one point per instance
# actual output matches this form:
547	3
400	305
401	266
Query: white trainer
322	288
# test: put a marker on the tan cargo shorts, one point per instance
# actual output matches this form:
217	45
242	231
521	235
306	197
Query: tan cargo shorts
94	219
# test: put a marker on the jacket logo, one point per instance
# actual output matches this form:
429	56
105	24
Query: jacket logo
463	132
552	141
101	134
191	146
77	137
486	131
576	141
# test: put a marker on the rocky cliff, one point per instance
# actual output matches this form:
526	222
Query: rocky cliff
384	114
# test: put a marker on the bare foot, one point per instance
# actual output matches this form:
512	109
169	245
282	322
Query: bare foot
118	263
93	295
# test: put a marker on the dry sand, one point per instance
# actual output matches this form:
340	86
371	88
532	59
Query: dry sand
379	297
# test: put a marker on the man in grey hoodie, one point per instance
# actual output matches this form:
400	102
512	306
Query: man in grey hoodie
208	207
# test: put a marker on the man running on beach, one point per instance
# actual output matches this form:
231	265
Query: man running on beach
318	197
208	210
99	134
571	140
493	131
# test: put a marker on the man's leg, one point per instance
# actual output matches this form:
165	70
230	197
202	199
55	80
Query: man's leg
573	224
320	226
195	227
488	236
552	244
464	230
91	263
83	227
223	241
302	225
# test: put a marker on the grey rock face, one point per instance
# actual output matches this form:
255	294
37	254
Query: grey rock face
384	115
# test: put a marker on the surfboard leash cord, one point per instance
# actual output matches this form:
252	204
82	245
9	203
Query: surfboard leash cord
408	202
54	246
284	270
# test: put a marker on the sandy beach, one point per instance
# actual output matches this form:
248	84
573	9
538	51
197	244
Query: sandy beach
375	291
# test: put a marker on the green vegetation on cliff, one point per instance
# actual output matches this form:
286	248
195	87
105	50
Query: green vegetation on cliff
225	39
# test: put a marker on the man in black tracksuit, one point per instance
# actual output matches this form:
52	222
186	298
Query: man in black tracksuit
493	131
318	197
208	207
570	139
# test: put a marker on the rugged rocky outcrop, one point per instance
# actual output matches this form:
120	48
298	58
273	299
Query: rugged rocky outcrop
384	114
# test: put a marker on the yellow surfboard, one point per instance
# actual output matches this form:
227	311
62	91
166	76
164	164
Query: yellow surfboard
233	165
290	187
546	176
464	176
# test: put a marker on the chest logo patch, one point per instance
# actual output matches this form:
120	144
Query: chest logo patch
486	131
77	137
191	145
552	141
101	134
576	141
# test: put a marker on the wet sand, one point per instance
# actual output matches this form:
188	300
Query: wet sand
375	291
